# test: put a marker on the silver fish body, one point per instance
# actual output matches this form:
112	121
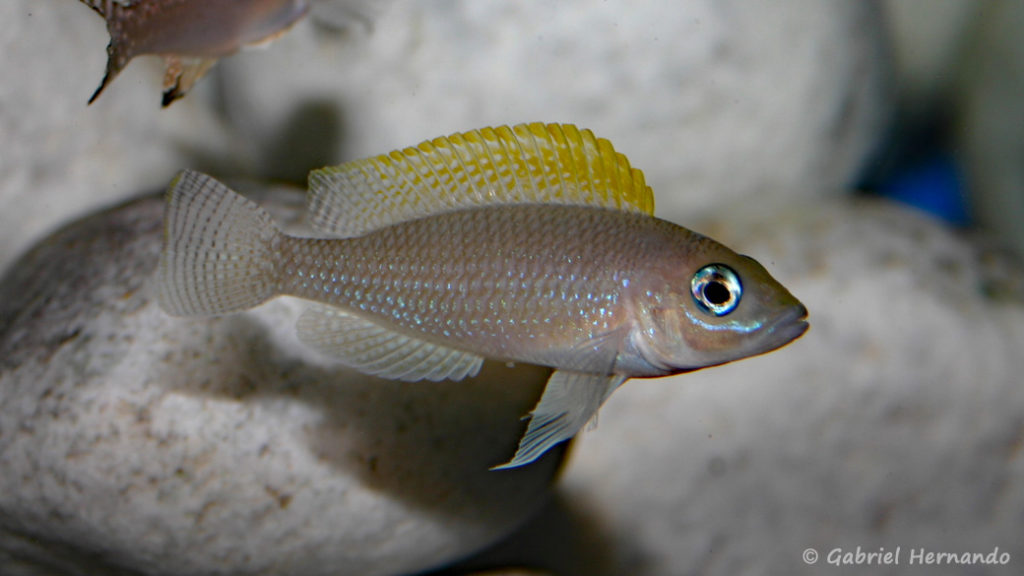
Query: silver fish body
569	287
425	285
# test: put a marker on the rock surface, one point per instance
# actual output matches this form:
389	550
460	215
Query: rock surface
960	77
896	421
926	50
130	444
714	100
61	159
136	443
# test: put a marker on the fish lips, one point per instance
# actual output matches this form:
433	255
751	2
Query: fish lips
788	327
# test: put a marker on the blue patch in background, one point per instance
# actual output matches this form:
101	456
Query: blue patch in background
915	166
933	183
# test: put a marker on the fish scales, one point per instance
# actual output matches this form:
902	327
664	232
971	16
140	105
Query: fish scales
538	244
509	281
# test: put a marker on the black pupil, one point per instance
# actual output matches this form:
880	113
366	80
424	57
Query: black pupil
716	293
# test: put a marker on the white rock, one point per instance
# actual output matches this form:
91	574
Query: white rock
960	73
896	421
714	100
132	442
60	158
928	39
113	459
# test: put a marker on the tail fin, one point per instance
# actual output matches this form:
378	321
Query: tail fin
218	254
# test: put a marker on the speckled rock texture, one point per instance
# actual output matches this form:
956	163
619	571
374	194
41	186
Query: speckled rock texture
896	421
136	443
60	159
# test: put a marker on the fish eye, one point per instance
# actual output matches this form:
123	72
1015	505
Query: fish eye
716	289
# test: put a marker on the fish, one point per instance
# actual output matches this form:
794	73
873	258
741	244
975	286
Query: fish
192	35
535	243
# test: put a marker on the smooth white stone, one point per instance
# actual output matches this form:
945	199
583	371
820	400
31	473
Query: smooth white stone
61	159
896	421
132	442
928	38
715	100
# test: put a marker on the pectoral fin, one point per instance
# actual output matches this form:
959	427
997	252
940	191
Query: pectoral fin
569	401
378	351
339	14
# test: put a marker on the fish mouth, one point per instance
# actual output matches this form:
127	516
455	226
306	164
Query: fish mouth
789	326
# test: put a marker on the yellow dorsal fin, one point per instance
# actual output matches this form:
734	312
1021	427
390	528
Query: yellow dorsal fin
525	164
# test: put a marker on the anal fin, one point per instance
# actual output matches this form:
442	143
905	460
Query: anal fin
181	73
570	400
378	351
117	59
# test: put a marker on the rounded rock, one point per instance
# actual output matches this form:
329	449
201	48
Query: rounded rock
896	421
62	159
714	100
136	443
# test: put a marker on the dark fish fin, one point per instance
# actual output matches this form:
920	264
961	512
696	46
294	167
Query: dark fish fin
117	56
103	84
116	61
98	6
181	74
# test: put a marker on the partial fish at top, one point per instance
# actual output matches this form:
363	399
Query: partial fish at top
192	35
534	244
